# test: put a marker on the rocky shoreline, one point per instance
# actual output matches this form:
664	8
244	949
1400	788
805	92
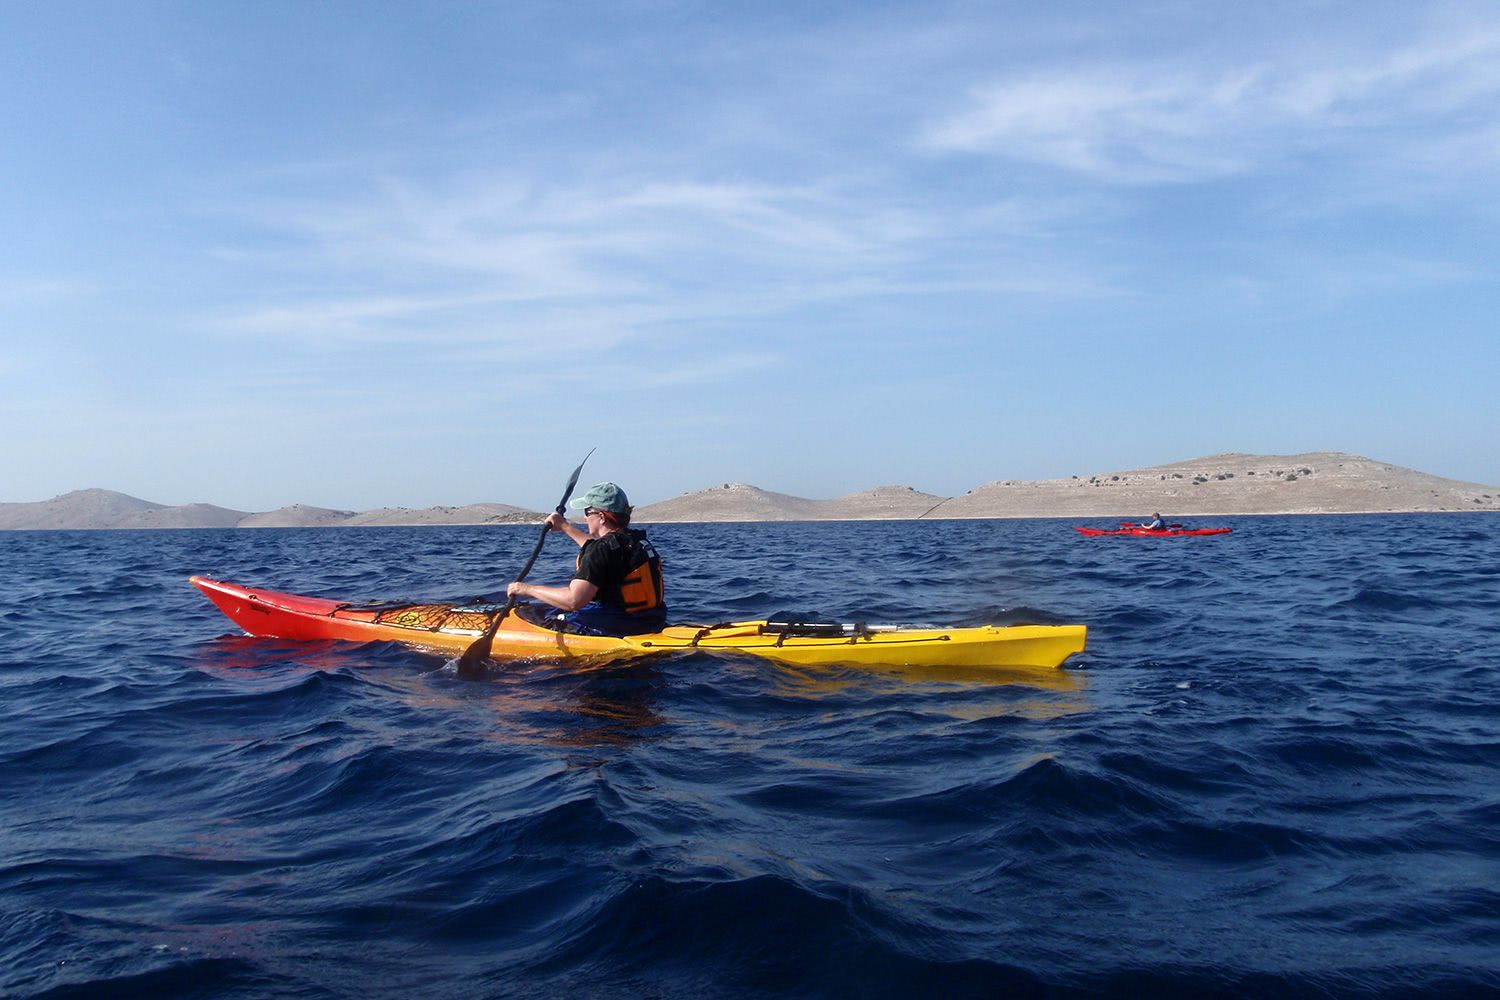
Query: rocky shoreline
1226	484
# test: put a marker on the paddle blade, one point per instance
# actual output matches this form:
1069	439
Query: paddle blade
573	482
471	664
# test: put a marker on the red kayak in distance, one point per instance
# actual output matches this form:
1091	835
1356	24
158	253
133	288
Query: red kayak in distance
1170	531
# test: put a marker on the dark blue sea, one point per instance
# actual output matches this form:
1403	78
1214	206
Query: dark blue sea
1274	772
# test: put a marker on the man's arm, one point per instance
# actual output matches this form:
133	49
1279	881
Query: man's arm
575	595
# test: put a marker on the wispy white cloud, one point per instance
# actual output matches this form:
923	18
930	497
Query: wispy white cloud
507	267
29	291
370	318
801	220
690	372
1123	125
1336	281
542	236
1162	122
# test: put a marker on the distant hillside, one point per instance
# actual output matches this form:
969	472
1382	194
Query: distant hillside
1323	482
108	509
297	516
192	515
730	502
739	502
96	509
102	507
881	502
474	513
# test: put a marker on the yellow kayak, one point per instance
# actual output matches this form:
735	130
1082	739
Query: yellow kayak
453	628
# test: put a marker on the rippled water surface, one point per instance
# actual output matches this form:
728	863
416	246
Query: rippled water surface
1273	772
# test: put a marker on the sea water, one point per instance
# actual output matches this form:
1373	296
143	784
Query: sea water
1273	772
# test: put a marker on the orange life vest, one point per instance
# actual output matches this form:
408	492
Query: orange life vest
642	588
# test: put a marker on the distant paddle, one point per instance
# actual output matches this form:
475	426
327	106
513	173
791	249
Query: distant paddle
471	664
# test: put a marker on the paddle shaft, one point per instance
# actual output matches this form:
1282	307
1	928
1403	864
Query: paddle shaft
471	664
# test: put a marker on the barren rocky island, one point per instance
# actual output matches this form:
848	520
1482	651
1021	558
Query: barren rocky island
1324	482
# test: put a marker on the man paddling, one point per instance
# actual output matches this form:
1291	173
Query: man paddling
617	586
1155	524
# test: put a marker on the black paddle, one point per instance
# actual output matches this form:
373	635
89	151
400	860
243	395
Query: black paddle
471	664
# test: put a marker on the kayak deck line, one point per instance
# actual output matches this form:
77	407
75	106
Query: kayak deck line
827	641
451	628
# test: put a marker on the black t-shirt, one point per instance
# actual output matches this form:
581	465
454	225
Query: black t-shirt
605	562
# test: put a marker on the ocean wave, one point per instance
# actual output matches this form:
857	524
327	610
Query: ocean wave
1269	774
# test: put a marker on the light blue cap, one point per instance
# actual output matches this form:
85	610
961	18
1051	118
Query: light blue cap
604	496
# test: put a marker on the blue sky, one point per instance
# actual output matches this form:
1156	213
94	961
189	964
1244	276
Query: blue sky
407	254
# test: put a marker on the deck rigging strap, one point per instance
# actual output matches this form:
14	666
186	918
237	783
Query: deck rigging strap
705	631
785	626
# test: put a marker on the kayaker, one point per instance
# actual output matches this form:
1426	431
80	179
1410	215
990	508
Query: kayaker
617	586
1155	524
